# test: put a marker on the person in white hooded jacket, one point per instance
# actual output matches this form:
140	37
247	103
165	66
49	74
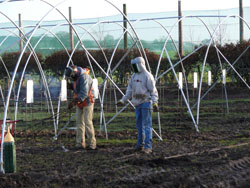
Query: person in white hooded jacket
142	90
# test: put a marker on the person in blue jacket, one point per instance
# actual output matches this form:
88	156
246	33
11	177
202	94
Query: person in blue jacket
84	102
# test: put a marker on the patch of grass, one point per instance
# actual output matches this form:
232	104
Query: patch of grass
234	141
54	185
246	130
206	129
221	101
228	142
116	141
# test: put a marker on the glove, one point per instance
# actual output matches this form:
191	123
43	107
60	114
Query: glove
155	107
120	103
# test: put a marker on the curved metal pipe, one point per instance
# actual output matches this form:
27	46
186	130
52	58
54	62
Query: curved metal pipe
231	66
1	92
172	67
204	62
8	74
87	53
12	82
5	38
86	31
109	66
48	31
39	67
133	31
92	70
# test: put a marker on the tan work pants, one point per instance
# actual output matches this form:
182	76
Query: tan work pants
84	121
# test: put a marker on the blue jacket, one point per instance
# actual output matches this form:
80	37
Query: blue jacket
83	84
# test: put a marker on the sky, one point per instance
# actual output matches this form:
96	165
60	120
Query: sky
36	9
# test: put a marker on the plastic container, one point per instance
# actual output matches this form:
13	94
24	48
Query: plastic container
9	153
95	88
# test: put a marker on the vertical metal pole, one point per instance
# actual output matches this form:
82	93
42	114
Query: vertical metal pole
71	38
20	33
125	27
241	21
180	29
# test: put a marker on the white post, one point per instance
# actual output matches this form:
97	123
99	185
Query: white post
209	81
29	92
95	88
63	96
195	80
180	80
224	76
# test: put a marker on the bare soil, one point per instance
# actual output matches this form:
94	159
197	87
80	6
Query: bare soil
217	156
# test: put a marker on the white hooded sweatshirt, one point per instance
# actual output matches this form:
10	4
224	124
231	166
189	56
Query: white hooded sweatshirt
141	86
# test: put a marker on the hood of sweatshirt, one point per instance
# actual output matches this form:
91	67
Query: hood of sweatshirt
140	63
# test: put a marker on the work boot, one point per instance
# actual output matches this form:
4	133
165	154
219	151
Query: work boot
140	148
81	146
91	147
148	150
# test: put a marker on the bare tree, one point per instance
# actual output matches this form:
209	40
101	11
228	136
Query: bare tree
220	34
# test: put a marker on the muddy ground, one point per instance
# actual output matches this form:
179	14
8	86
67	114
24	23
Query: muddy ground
217	156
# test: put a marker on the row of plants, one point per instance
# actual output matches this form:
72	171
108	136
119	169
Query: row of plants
218	57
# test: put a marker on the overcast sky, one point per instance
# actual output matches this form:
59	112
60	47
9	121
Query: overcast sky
36	9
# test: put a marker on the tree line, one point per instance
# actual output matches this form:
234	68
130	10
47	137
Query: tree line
49	44
55	63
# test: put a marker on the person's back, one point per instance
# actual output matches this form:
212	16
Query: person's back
82	86
84	101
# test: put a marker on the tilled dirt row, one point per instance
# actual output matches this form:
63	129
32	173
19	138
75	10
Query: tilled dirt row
184	159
